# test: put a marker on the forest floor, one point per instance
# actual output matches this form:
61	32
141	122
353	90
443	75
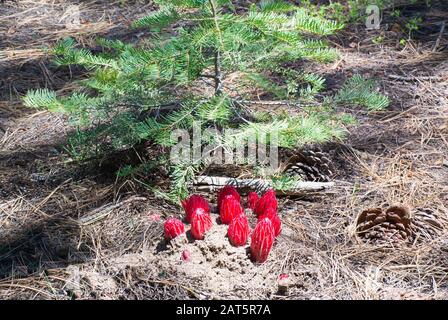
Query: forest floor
76	232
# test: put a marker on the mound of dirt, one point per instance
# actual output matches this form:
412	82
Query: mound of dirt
220	267
212	264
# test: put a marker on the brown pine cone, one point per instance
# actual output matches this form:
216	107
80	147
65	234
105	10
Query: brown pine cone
428	223
385	227
309	164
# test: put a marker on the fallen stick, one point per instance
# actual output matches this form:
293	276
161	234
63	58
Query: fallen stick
416	78
442	29
208	183
103	211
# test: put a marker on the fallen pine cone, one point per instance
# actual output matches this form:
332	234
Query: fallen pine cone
385	227
427	223
311	164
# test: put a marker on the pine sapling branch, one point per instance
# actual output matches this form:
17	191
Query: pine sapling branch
218	74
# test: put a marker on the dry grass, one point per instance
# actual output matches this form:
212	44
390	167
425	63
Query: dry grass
30	28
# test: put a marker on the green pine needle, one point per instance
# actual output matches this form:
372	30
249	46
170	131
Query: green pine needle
362	92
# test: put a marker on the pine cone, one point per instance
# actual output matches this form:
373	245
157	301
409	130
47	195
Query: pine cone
427	223
385	227
309	164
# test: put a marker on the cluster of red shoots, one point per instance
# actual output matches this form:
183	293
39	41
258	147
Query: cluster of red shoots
231	212
268	226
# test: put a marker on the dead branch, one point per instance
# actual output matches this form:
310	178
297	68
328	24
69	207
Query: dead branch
103	211
208	183
416	78
442	29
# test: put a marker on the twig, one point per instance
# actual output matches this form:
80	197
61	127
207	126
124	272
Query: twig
269	102
10	285
40	205
170	283
442	29
414	78
103	211
207	76
218	74
301	187
399	115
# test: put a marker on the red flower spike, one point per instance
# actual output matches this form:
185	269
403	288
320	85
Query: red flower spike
173	227
192	204
201	222
238	231
283	276
272	215
186	255
283	283
267	200
227	190
252	199
262	239
230	208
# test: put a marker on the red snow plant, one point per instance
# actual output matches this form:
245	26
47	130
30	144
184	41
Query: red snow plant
272	215
173	227
267	200
193	204
252	199
201	222
230	208
227	191
262	240
239	230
